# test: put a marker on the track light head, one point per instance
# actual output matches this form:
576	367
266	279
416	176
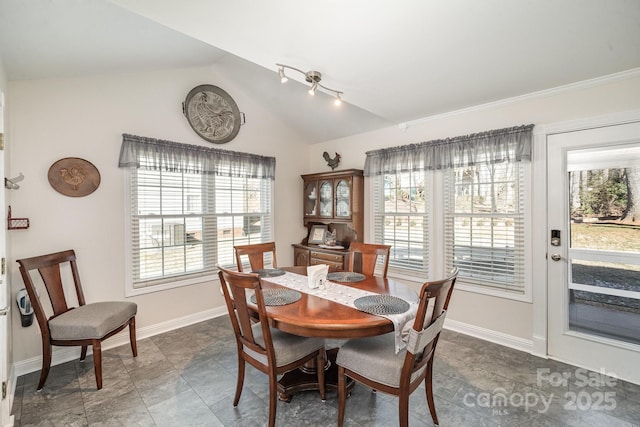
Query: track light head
313	77
283	77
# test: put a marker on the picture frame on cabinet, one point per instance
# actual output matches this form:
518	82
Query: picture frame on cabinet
317	233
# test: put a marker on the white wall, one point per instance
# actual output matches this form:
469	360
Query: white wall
85	117
595	98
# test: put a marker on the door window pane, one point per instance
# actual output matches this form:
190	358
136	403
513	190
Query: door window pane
604	254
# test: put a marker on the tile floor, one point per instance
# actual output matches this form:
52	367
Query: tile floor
187	377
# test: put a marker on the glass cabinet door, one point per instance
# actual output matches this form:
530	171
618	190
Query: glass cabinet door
343	198
310	199
326	199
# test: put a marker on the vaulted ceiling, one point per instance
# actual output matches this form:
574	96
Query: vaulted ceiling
395	61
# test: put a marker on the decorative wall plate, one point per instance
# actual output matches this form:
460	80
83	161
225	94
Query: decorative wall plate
212	113
74	177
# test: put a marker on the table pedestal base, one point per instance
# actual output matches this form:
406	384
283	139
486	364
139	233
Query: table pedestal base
302	380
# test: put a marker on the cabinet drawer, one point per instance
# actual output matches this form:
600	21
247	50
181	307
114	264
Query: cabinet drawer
336	261
337	266
326	257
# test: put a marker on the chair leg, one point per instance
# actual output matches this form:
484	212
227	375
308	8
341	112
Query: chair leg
273	398
403	409
240	381
83	353
132	336
320	370
428	385
46	364
97	362
342	395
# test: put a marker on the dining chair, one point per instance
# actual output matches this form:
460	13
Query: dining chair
87	324
270	351
374	362
366	254
255	253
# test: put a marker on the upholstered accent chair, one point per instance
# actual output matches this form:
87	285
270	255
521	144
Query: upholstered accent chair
374	362
366	255
255	253
87	324
270	351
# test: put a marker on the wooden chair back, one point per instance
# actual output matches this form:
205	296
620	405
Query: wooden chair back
440	291
365	255
236	286
49	268
255	253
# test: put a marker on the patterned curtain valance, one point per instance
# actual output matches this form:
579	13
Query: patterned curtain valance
156	154
495	146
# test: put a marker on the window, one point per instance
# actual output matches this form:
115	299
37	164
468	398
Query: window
401	219
484	224
476	186
184	219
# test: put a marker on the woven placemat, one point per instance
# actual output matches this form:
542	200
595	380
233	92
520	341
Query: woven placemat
345	276
381	304
279	296
269	272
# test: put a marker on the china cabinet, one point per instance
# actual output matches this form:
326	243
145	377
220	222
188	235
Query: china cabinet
334	199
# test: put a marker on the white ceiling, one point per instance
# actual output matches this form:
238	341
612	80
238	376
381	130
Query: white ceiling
395	61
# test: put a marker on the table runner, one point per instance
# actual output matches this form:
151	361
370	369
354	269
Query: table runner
346	295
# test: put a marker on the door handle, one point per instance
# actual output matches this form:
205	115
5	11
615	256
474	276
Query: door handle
556	257
4	311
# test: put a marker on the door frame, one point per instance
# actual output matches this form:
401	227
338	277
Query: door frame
7	374
539	198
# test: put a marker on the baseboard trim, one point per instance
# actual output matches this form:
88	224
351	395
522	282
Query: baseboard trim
66	354
540	346
506	340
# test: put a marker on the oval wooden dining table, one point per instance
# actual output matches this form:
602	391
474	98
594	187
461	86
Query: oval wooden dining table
313	316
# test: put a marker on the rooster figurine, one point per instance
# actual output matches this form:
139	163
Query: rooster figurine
332	162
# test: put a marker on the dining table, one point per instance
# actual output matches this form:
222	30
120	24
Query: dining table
312	315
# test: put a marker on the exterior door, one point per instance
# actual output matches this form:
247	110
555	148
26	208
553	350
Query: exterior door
593	249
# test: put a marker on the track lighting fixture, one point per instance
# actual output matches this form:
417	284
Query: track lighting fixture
313	77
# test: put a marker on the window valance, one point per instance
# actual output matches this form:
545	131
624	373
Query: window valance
495	146
156	154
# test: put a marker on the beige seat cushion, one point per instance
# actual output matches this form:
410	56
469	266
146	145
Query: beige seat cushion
374	358
91	321
287	347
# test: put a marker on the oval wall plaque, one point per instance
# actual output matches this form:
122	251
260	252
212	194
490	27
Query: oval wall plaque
74	177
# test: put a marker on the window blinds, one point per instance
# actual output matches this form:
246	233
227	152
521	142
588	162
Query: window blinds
191	205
